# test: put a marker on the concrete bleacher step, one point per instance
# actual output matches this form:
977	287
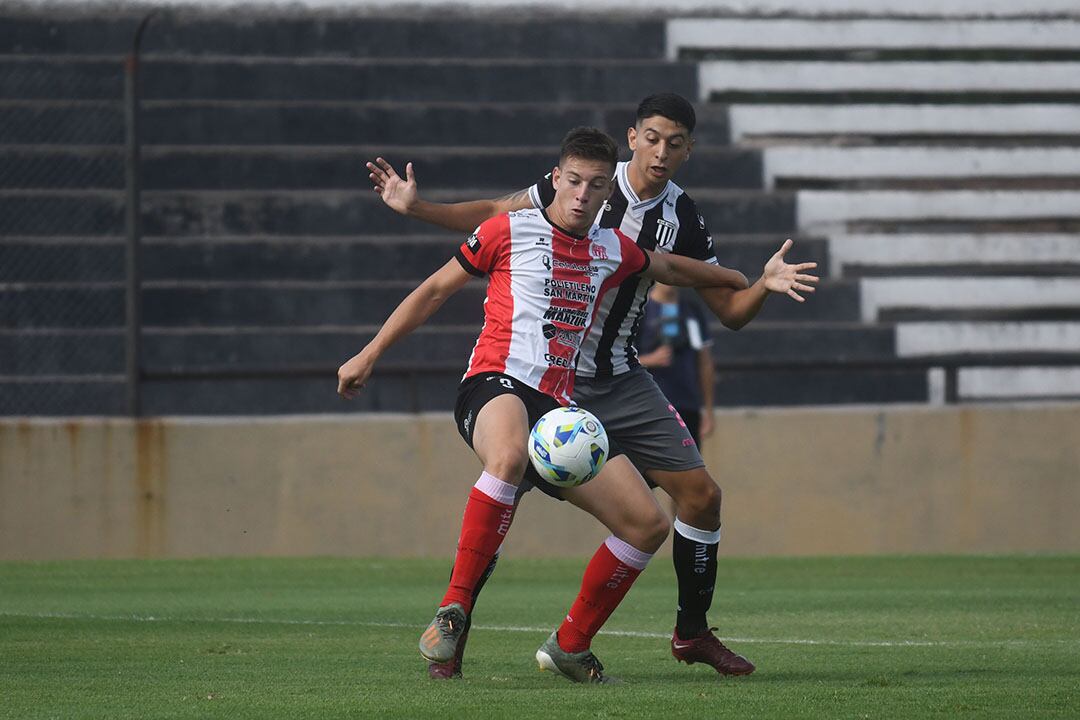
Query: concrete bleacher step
862	38
510	168
958	124
819	342
324	212
62	122
74	213
911	82
230	122
966	298
438	346
840	210
292	79
67	167
74	260
314	34
63	395
61	352
335	167
1034	382
81	305
838	385
910	10
919	339
840	167
868	253
297	303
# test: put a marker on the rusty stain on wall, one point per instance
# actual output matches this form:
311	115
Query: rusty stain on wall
150	486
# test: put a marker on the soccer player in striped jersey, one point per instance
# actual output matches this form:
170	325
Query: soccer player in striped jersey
548	271
659	216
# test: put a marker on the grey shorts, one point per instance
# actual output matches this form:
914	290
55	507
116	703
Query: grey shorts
640	420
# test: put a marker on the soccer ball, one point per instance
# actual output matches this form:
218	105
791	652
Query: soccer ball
568	446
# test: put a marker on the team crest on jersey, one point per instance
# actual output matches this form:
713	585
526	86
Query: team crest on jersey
598	251
665	234
473	243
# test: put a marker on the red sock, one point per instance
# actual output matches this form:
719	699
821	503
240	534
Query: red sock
482	532
606	582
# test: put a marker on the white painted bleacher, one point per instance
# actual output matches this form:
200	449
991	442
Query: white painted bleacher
723	35
950	294
833	210
798	163
937	146
749	122
724	77
900	251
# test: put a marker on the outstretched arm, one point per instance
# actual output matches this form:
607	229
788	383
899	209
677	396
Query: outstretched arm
687	272
736	308
416	308
402	196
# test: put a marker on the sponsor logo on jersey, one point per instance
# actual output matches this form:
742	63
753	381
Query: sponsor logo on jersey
598	251
545	260
569	290
568	338
665	234
473	243
567	316
542	241
701	221
558	361
576	267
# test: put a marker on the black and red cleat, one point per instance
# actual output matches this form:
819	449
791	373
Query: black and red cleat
709	650
451	669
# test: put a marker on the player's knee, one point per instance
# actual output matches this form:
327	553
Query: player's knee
507	464
652	531
659	529
699	503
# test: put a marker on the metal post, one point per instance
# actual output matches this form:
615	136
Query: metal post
133	223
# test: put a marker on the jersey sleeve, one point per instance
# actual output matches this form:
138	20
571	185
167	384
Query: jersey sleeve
481	251
542	193
634	260
694	240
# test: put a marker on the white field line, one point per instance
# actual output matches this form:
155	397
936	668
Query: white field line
528	629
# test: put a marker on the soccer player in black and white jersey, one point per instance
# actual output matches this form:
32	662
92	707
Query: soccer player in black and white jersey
647	206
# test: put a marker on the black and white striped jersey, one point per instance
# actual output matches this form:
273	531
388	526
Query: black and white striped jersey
669	222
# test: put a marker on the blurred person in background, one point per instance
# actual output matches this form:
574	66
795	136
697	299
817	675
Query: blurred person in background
675	346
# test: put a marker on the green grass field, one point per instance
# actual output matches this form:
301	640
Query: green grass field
323	638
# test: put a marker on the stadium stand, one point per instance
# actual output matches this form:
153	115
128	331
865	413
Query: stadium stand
930	165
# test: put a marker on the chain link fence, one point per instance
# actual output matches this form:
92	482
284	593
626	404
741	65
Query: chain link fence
62	236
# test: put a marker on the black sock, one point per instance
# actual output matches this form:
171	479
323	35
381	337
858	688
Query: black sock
479	586
695	568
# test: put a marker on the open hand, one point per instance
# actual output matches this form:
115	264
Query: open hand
780	277
400	195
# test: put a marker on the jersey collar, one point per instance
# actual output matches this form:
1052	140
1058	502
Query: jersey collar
635	205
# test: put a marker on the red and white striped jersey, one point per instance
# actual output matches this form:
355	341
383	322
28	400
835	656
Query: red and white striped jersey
543	288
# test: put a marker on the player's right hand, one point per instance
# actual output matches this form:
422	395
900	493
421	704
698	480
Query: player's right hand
400	195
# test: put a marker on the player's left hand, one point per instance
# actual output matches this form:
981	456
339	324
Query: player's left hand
353	374
780	277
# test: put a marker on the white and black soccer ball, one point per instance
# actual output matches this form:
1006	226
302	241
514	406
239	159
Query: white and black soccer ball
568	446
